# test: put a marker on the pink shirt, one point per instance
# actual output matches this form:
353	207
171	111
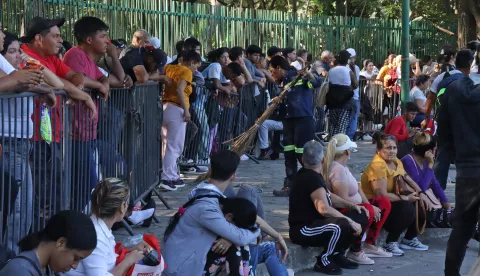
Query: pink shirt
340	175
83	128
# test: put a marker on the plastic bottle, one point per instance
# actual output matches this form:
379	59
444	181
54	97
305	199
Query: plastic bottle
132	241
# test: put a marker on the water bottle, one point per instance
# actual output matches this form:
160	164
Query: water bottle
132	241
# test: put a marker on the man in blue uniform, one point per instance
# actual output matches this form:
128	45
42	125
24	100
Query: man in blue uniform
297	109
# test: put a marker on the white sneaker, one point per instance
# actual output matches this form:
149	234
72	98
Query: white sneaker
372	251
377	127
367	137
244	157
359	258
139	216
290	272
354	150
413	244
393	248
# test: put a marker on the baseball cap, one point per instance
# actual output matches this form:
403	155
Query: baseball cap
352	52
279	61
343	142
39	24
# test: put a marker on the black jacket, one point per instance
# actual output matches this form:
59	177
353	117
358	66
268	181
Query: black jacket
459	125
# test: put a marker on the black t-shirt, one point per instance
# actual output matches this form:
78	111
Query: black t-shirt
129	58
302	211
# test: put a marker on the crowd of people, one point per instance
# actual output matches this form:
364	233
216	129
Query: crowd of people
217	98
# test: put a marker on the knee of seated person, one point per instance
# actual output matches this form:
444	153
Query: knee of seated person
382	202
408	210
344	225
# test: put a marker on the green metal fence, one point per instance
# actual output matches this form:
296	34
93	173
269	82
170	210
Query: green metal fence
218	26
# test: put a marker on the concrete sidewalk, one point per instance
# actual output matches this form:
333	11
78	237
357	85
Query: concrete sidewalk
269	175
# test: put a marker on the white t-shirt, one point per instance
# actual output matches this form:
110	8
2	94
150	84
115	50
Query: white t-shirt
417	94
356	92
438	80
214	71
340	75
103	258
15	119
366	74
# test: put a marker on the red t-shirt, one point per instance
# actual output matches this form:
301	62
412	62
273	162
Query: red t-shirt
83	128
398	128
54	64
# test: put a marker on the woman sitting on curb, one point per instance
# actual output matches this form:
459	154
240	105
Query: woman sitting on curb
314	222
109	205
341	182
378	180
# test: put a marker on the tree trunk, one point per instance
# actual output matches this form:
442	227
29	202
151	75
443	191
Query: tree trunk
467	25
340	7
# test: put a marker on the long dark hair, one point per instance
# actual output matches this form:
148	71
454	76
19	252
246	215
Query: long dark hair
72	225
243	211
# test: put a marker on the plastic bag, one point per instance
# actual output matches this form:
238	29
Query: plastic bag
45	125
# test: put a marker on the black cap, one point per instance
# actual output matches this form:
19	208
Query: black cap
279	61
39	24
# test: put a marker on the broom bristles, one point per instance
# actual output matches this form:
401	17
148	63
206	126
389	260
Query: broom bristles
244	140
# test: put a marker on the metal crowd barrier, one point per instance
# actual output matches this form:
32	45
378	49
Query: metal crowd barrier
51	159
218	118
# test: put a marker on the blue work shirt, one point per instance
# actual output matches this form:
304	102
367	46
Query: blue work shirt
299	100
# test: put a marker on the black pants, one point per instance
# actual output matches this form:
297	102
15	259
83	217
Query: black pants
333	234
236	258
296	132
401	218
465	217
361	219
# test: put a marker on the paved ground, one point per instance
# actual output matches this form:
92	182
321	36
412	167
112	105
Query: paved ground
268	175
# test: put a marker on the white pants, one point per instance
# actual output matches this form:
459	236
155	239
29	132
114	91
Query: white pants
173	140
268	125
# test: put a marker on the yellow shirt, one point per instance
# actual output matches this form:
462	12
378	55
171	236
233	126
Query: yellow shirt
376	170
177	73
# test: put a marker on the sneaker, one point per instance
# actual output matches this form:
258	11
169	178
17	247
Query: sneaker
167	185
367	137
343	262
284	192
290	272
179	183
354	150
413	244
372	251
197	169
330	269
244	157
265	154
359	258
393	248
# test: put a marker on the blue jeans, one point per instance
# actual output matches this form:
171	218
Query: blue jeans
352	128
15	162
84	173
266	253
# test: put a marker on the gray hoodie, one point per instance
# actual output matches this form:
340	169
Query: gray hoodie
186	248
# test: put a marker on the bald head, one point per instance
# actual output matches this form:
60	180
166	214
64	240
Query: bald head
140	38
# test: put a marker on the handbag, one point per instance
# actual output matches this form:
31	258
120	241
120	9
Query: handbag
403	187
321	99
140	269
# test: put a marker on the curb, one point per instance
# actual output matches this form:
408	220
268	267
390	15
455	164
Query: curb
302	258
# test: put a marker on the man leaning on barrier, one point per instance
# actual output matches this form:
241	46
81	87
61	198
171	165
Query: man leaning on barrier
42	43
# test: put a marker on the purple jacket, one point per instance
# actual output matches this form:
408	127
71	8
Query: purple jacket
425	178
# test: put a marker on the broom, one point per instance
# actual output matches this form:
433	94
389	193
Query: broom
244	140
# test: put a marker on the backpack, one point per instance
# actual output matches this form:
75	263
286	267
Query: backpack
321	99
6	255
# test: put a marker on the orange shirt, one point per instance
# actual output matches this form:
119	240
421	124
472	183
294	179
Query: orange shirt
177	73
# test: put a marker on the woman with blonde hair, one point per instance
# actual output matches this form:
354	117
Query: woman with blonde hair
342	183
109	205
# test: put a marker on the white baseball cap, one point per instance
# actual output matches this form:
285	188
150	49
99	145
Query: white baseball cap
352	52
155	42
343	142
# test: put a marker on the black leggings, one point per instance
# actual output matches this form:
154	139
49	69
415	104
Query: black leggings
402	216
236	258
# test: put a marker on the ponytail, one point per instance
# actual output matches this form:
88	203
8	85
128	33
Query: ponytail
31	241
181	211
329	157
